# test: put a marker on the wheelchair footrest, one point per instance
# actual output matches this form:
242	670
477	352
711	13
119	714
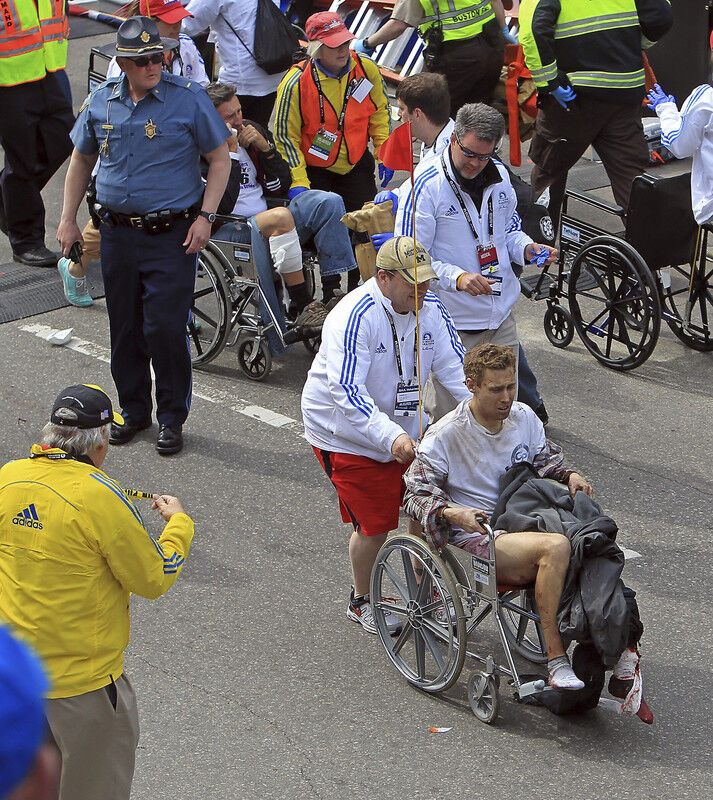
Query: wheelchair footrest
533	687
537	286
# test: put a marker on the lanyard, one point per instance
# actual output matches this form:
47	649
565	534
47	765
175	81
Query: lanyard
351	86
397	350
466	213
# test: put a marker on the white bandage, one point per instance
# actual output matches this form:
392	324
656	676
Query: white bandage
286	252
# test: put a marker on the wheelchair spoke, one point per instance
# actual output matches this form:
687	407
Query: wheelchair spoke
403	637
522	624
424	588
396	580
433	647
197	312
410	573
419	644
399	611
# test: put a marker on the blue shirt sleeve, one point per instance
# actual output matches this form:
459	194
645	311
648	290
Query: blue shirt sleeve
82	135
209	128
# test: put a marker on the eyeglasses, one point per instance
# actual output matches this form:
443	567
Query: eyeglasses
471	154
144	61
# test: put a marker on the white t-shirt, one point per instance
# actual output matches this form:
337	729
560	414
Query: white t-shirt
251	200
473	459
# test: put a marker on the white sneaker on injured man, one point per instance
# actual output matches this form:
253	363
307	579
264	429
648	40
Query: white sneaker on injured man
625	667
561	675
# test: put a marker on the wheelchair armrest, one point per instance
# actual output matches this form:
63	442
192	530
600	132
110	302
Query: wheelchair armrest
231	218
600	204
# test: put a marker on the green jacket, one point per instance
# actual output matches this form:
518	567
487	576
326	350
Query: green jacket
594	45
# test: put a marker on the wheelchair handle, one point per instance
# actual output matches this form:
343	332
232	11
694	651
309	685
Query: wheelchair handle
592	201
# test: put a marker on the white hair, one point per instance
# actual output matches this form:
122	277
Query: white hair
75	441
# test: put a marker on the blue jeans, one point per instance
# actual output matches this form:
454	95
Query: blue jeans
318	216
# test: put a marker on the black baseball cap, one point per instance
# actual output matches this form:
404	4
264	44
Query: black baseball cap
84	406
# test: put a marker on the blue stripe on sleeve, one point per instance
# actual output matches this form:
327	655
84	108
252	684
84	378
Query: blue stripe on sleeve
350	356
515	223
116	489
282	117
671	136
456	343
407	224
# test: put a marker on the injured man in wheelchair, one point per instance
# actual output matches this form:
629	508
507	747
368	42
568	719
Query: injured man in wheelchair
489	461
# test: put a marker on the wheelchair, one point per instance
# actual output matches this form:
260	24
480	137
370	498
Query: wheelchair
441	599
225	311
619	286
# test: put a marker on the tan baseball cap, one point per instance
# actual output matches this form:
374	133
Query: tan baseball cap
397	255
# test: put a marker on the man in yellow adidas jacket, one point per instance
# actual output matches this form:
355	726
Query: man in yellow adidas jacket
328	109
73	548
585	58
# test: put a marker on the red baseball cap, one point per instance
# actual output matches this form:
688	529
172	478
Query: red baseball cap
169	11
328	28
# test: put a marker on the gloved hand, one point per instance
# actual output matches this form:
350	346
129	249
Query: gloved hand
385	175
656	96
360	47
295	190
384	197
377	239
564	95
510	37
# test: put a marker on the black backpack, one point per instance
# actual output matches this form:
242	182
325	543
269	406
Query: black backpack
275	41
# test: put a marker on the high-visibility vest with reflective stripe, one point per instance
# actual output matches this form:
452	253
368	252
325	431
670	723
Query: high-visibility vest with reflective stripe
597	44
460	19
355	131
33	40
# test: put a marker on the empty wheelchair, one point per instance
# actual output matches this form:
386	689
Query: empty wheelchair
441	599
620	286
226	307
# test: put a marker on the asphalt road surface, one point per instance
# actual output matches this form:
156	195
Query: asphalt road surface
252	683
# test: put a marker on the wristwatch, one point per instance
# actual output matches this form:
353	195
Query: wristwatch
209	215
270	152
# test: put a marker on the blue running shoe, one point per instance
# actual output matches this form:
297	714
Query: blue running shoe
75	289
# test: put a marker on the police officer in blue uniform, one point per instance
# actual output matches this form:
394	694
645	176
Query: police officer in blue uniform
148	129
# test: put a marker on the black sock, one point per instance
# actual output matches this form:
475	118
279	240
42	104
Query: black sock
299	296
330	283
353	278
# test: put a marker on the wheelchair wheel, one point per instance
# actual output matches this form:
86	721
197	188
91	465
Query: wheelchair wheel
614	303
209	327
483	696
416	586
688	304
523	634
254	358
559	328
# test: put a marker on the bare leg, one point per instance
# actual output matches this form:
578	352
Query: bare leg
543	558
363	551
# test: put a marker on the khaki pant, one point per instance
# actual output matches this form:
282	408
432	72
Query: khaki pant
97	742
92	240
437	400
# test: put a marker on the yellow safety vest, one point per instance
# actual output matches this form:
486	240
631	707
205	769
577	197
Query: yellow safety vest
33	40
459	19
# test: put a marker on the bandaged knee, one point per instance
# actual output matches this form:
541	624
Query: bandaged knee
286	252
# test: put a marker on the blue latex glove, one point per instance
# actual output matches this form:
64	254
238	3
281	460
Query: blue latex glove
656	96
541	257
359	46
510	37
377	239
564	95
384	197
385	175
295	190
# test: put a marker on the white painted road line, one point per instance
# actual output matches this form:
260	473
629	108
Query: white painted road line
216	396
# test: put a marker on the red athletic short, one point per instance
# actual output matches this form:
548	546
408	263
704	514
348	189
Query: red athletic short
370	492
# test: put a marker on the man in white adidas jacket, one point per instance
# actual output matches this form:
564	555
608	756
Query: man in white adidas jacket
466	218
360	402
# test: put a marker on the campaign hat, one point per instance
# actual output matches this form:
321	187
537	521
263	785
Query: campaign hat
139	36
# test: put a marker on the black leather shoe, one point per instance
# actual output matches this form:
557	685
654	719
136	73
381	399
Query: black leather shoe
123	434
170	440
37	257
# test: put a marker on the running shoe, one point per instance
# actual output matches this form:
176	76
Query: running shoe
75	289
359	610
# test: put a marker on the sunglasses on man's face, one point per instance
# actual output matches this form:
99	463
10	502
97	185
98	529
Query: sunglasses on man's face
144	61
472	154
